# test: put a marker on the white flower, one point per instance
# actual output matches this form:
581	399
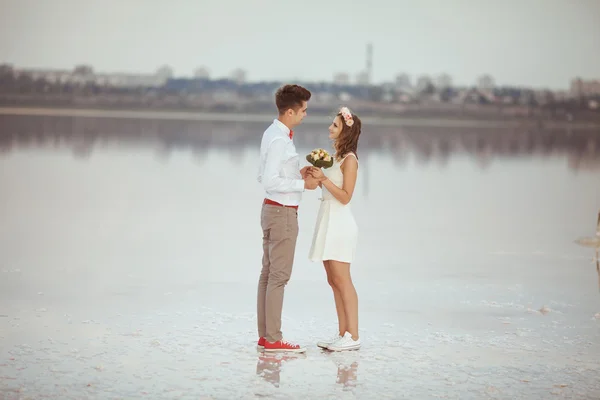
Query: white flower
347	115
320	154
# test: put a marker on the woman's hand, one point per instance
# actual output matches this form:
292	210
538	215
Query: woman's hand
316	173
303	171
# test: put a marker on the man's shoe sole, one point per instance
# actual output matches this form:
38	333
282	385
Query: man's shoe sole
285	350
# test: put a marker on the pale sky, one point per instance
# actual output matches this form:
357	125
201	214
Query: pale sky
538	43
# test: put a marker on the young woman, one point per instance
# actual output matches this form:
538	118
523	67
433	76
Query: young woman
336	232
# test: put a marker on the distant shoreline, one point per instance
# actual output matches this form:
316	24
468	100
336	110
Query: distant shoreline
424	121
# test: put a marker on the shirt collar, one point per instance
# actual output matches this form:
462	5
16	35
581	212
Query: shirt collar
284	129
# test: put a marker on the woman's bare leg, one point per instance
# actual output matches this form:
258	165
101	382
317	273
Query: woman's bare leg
342	281
337	295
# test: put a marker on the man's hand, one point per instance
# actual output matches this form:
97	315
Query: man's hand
303	171
310	183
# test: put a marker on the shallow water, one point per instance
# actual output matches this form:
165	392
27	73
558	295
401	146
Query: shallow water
130	253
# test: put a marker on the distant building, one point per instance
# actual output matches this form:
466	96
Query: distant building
202	72
362	78
238	76
83	74
579	87
130	80
443	81
341	78
485	82
50	75
403	82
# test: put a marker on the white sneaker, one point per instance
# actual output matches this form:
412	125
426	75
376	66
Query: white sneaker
325	343
345	343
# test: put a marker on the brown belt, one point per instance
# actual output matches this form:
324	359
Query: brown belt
274	203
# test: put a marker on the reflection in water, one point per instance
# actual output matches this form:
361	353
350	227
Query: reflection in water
82	135
268	365
347	368
347	375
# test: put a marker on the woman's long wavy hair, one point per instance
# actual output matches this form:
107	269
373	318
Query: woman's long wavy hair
347	141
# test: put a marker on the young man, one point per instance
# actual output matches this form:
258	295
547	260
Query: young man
283	182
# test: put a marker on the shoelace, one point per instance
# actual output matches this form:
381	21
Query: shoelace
346	340
286	343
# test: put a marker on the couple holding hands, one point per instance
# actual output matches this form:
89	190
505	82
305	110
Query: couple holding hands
335	233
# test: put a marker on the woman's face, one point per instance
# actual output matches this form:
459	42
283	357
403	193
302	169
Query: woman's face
335	128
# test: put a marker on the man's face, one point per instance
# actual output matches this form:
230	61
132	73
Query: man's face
298	116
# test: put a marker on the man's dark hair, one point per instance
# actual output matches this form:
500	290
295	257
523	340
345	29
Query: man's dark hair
291	96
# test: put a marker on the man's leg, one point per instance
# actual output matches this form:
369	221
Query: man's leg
283	232
264	278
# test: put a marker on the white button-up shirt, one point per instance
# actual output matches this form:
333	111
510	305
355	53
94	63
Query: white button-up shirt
279	169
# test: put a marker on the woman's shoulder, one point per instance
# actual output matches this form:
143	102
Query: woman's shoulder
349	155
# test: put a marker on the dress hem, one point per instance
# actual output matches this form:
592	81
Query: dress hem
330	259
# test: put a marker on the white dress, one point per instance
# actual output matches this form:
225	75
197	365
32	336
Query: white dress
336	233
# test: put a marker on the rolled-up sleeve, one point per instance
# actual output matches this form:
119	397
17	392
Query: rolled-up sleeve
272	180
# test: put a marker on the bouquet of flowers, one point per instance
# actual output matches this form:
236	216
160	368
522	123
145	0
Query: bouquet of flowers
320	158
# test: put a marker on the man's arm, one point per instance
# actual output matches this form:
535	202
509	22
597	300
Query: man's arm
271	180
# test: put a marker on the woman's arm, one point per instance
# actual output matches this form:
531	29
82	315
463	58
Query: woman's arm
350	170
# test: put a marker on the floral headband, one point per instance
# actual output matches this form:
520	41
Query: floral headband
347	116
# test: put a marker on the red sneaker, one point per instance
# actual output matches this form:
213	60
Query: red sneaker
282	345
261	343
